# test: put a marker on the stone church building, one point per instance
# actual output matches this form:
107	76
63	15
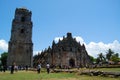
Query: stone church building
20	49
66	53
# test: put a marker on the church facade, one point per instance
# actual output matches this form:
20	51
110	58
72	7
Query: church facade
66	53
20	49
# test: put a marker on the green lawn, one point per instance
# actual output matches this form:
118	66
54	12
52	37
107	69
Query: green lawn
30	75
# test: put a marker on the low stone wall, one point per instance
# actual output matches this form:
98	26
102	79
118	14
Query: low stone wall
64	70
101	73
89	72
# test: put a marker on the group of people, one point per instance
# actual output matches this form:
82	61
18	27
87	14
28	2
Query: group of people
13	68
16	68
4	68
47	67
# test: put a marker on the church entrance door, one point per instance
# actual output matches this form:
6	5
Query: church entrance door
72	62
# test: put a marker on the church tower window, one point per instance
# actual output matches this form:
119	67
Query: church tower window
22	19
22	31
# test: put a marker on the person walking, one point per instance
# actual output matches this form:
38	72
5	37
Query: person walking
48	68
39	68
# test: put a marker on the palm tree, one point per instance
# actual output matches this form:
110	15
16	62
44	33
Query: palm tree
115	58
109	54
101	57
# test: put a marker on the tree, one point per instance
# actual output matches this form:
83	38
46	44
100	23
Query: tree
101	57
109	54
115	58
92	58
97	60
0	61
4	58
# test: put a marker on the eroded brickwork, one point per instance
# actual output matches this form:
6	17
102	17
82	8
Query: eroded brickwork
20	49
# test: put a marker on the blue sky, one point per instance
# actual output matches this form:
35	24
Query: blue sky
95	22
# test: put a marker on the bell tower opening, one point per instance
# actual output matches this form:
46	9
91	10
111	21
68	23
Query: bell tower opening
22	19
22	31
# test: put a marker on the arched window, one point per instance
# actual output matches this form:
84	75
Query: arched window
22	31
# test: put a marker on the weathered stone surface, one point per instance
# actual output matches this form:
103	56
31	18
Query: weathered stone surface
100	73
66	53
20	44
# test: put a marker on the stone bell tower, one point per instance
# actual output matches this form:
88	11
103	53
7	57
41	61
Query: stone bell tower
20	49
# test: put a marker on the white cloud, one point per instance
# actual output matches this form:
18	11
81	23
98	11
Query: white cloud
79	39
58	38
3	45
94	48
36	52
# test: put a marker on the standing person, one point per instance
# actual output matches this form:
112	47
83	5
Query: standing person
48	68
12	69
16	68
39	68
26	67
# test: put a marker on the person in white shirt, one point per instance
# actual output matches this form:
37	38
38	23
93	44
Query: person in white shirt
39	68
48	68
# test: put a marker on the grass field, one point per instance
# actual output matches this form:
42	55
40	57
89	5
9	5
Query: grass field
32	75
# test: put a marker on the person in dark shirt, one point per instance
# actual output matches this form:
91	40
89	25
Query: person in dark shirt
12	69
